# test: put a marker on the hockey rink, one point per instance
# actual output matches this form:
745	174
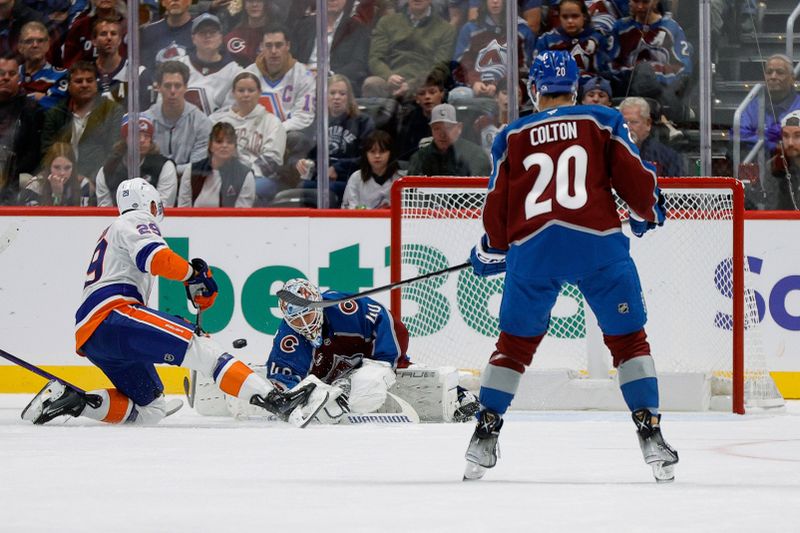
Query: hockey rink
565	471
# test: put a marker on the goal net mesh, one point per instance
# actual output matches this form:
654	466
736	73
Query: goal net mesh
685	268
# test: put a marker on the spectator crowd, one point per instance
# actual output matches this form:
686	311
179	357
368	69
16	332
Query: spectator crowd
227	100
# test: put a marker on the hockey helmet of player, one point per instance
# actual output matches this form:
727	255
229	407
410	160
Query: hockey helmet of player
553	72
307	321
137	194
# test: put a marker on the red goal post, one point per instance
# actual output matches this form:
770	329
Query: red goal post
694	263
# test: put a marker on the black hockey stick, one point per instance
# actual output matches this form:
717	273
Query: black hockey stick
294	299
39	371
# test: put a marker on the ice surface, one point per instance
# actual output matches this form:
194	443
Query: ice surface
571	471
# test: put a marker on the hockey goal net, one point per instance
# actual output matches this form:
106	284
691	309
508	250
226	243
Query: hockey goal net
703	321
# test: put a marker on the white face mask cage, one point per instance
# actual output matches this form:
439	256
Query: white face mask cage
306	321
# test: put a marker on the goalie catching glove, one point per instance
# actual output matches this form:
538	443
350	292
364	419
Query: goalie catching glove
639	227
201	288
487	261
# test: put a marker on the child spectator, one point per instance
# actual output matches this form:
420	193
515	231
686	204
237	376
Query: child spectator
596	91
156	169
219	180
370	187
576	35
414	120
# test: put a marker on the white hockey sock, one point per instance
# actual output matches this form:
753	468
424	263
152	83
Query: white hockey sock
231	375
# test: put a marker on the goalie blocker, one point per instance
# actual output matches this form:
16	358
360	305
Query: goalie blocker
416	394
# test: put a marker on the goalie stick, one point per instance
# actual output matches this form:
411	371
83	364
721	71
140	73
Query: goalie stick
294	299
39	371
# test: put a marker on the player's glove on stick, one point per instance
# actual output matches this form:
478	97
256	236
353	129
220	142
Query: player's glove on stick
639	227
487	261
201	288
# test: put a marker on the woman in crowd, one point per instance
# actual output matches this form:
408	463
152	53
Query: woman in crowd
370	186
347	129
219	180
244	40
260	135
158	170
58	183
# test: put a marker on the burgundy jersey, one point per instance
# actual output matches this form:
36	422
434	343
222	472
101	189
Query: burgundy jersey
550	193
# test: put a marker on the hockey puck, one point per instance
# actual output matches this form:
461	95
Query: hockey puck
240	343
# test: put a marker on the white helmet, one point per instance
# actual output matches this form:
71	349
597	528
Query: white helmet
139	195
307	321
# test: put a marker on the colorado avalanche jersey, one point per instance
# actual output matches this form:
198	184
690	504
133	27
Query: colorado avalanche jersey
119	271
550	201
292	98
663	44
210	84
588	48
351	331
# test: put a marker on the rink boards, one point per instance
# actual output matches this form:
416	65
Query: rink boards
43	260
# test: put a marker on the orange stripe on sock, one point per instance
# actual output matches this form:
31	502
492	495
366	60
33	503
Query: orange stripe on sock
234	378
157	321
117	407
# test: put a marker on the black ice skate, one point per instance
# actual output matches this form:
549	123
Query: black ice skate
482	450
54	400
296	406
655	450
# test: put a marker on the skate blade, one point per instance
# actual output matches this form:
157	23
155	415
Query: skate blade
173	406
303	414
473	471
663	474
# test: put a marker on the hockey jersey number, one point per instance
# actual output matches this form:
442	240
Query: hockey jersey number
570	190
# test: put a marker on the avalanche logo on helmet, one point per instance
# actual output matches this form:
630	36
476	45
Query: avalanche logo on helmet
553	72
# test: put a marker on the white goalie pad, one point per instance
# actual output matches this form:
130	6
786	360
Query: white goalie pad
430	391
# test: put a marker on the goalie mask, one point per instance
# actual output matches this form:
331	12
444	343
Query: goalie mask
306	321
138	195
553	72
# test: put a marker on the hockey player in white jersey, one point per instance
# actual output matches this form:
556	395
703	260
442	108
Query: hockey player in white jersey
117	332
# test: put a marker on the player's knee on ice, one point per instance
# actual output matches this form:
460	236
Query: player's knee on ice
369	385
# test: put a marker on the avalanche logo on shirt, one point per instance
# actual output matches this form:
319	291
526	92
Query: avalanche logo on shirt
348	307
236	45
288	343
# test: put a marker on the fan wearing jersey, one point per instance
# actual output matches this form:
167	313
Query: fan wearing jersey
550	218
354	346
118	333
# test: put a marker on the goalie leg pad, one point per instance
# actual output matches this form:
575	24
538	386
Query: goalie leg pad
432	392
369	385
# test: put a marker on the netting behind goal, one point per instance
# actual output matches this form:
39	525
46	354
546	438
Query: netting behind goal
702	321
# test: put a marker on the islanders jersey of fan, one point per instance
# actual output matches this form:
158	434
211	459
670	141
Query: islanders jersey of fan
127	256
550	202
351	331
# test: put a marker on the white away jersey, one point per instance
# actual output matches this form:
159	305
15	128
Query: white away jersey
292	98
119	271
